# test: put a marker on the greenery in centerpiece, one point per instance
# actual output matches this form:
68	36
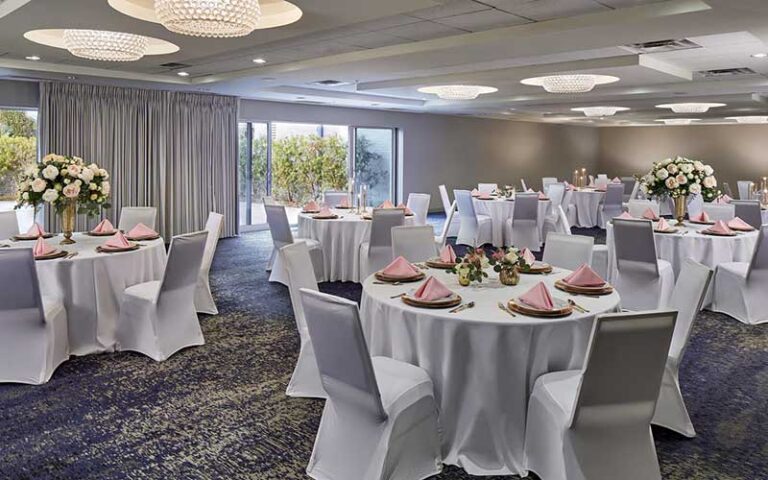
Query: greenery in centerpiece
471	267
508	259
679	177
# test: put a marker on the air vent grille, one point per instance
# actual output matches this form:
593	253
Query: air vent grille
660	46
330	83
726	73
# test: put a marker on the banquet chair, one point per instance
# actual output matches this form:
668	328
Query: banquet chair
594	423
282	235
305	381
592	181
599	261
564	225
695	205
717	211
475	230
749	211
636	208
522	183
203	298
9	224
613	204
418	203
726	188
687	298
380	421
745	189
631	186
546	182
556	195
740	287
332	199
34	339
568	251
376	253
602	182
643	281
158	318
487	187
453	228
523	228
416	244
568	206
441	240
132	216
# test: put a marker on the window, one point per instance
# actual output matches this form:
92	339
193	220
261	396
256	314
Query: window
18	148
374	166
254	172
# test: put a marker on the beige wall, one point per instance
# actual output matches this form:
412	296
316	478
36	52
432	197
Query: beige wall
736	152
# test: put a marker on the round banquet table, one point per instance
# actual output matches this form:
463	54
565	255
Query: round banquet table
587	203
91	285
340	239
500	209
482	361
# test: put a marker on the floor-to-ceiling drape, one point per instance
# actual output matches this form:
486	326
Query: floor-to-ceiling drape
172	150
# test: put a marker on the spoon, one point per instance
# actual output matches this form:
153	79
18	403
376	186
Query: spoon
387	283
577	306
506	309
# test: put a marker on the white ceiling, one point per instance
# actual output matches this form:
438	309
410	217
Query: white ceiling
385	51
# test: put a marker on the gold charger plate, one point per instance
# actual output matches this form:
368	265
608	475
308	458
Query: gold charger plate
447	302
523	309
27	238
436	263
671	230
51	256
538	268
385	278
133	247
713	234
340	207
700	223
747	230
325	217
310	211
101	234
146	237
596	291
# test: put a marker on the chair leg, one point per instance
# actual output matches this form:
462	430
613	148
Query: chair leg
272	258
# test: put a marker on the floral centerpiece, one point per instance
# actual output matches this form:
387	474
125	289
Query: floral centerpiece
471	267
68	185
508	263
679	177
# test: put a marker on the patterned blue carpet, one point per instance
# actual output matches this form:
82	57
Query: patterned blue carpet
219	411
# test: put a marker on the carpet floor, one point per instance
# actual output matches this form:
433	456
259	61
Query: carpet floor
219	411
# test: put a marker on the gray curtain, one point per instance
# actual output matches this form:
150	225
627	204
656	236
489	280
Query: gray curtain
171	150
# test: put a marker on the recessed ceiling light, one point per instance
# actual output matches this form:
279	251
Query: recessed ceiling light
691	107
575	83
458	92
259	61
33	58
749	119
599	111
678	121
182	74
71	77
760	55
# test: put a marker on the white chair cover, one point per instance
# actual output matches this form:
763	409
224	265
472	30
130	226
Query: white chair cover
740	288
380	420
631	186
203	298
695	205
564	226
418	203
522	183
749	211
416	244
487	187
594	424
376	253
591	181
305	381
636	208
33	342
546	182
158	318
687	299
453	227
132	216
282	235
613	204
727	190
440	241
523	227
745	189
643	281
600	260
9	224
718	211
552	220
333	199
475	230
568	251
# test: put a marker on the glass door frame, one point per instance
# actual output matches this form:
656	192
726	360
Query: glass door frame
395	154
249	175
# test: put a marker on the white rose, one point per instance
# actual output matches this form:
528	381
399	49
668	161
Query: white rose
708	170
50	172
38	185
94	196
49	158
698	165
93	166
50	195
682	179
92	186
710	182
662	174
671	183
105	188
32	171
71	191
667	161
687	168
694	189
644	188
25	195
86	175
672	169
74	170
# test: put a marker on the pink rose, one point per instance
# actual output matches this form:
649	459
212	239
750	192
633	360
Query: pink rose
71	191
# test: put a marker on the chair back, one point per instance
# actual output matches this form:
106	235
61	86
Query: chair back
466	208
546	182
447	225
568	198
185	256
487	187
526	207
623	369
687	298
279	227
759	261
565	225
568	251
726	188
418	203
749	211
631	187
638	207
556	193
591	180
614	195
132	216
635	246
345	366
384	220
745	189
332	199
695	205
268	200
522	183
604	182
416	244
444	198
20	292
9	225
213	227
301	275
718	211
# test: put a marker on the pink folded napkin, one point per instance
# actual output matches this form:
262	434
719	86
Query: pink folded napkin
538	297
400	268
405	208
663	225
141	230
616	180
475	192
386	204
542	196
720	227
432	289
311	206
344	202
625	216
117	242
104	226
723	200
325	212
447	254
528	256
739	224
35	230
584	276
42	248
649	214
484	196
702	217
530	190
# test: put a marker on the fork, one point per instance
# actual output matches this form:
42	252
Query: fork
577	306
506	309
387	283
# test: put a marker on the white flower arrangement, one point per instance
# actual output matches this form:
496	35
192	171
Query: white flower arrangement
680	177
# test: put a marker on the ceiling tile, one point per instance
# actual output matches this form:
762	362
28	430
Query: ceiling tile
628	3
540	10
425	30
483	20
449	9
372	40
382	23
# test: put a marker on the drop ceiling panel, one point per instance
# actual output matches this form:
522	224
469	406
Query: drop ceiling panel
425	30
540	10
450	9
483	20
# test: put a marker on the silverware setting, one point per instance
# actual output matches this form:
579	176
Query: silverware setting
506	309
577	306
5	246
71	255
462	307
398	295
377	282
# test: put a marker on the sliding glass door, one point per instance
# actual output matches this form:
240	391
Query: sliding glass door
374	162
254	172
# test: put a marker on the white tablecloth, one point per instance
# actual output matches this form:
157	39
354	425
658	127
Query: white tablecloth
91	286
500	210
482	361
587	203
340	239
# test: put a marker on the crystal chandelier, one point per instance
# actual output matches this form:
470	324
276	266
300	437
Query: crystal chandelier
458	92
678	121
690	107
573	83
105	46
599	111
749	119
209	18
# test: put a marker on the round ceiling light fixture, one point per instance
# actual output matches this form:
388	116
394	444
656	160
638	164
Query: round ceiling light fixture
458	92
678	121
105	45
749	119
691	107
571	83
599	111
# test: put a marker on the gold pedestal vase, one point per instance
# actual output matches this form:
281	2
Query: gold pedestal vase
68	216
680	203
